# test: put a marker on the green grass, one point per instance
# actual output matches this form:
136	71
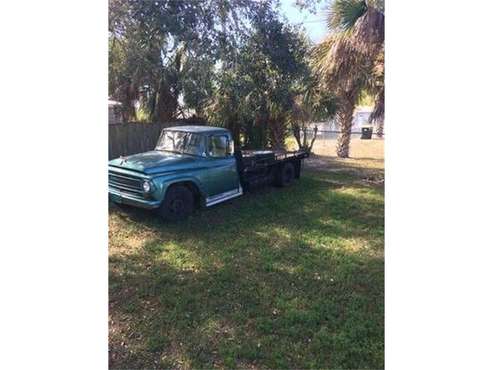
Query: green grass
281	278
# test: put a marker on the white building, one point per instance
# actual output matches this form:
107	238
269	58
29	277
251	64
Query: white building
361	118
114	112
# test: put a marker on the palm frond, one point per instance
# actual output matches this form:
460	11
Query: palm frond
338	64
378	113
377	87
352	59
343	14
368	33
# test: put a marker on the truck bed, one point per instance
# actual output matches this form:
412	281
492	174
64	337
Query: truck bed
257	167
253	159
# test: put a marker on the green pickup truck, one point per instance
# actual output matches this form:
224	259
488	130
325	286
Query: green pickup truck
196	166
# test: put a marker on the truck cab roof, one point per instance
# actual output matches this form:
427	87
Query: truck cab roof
199	129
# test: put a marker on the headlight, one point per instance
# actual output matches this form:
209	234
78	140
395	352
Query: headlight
146	186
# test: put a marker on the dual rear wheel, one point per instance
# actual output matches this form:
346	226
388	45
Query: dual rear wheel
286	174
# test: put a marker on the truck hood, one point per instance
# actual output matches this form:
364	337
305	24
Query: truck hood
154	162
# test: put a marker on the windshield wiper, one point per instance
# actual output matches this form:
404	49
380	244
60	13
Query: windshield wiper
167	150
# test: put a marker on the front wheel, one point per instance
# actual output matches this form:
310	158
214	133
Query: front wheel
177	205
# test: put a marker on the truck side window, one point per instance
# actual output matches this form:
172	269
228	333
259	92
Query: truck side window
218	146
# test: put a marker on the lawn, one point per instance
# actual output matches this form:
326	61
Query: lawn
279	278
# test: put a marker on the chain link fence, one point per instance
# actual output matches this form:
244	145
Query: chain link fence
326	141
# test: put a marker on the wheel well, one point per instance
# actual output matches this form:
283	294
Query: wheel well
190	185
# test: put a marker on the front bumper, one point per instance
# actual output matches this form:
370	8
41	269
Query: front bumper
124	198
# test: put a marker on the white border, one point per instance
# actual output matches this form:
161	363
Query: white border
439	188
53	246
54	150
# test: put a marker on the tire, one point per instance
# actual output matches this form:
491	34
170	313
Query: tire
286	175
178	204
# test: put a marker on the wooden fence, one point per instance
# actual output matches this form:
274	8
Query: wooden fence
131	138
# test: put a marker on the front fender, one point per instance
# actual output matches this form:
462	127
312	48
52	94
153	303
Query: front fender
162	183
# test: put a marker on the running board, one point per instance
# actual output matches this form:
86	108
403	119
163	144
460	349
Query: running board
224	196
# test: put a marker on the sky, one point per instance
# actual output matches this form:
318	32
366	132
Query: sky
314	24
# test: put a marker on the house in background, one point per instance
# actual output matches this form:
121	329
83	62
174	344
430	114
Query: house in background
361	118
114	112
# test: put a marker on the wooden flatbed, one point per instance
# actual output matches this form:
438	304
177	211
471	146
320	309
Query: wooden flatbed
260	167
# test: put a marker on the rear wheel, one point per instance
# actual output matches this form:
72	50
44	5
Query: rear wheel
286	174
178	204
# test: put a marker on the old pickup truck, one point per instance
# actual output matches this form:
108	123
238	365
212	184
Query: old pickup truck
196	166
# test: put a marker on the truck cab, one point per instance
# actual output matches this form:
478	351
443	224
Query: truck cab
191	166
199	158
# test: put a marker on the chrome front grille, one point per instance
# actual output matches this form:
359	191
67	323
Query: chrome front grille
125	183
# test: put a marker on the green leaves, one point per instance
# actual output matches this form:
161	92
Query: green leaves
151	42
255	89
233	62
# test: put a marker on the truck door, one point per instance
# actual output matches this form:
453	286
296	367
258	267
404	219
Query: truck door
221	180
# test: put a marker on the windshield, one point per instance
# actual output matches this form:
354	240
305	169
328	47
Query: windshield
181	142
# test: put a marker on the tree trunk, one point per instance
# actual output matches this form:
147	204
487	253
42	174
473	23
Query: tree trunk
277	132
233	125
380	128
315	131
126	94
166	104
297	134
345	119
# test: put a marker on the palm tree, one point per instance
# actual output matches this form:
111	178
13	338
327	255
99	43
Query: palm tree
350	60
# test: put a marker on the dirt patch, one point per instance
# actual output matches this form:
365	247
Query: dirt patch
356	170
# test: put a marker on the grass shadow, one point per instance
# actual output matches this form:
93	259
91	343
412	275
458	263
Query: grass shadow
289	278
